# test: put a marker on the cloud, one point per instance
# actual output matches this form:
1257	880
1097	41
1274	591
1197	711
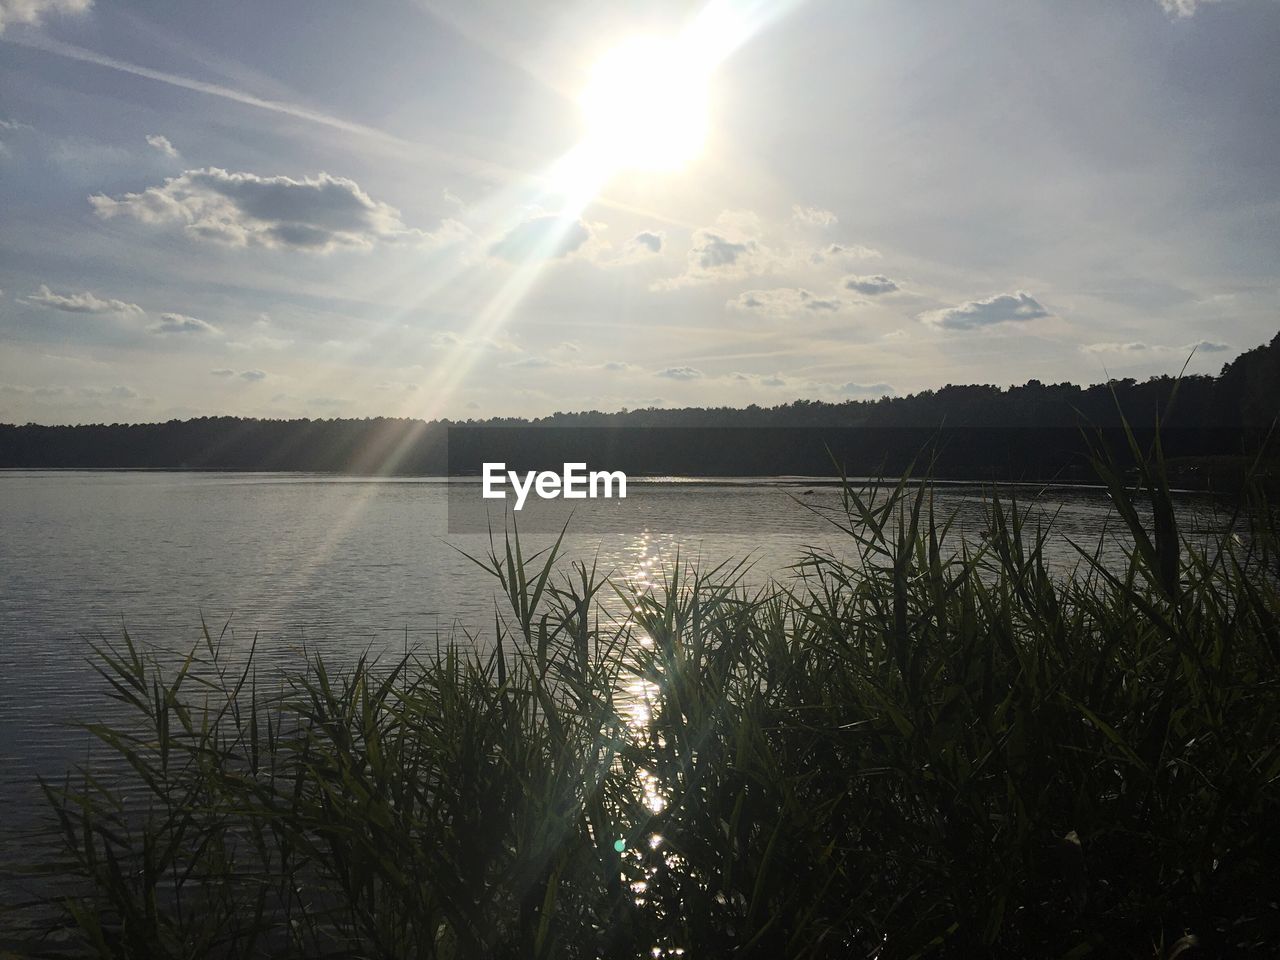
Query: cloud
841	252
117	392
1180	9
680	373
1208	346
82	303
1003	308
23	390
223	372
448	339
314	214
253	376
715	256
813	388
872	286
783	302
532	363
813	216
770	380
10	126
162	144
852	389
260	343
1133	346
650	240
114	392
543	237
1137	346
730	248
641	246
617	366
738	245
33	11
712	251
179	323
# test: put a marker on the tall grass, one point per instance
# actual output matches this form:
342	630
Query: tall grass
915	749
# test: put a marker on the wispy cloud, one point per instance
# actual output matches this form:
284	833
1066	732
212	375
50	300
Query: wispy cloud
180	323
1181	9
813	216
782	302
161	144
1139	346
83	302
680	373
541	237
32	12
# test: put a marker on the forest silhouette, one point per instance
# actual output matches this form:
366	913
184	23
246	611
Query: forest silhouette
1209	426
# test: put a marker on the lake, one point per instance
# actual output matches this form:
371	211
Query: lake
343	565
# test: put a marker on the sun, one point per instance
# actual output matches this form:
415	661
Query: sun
645	105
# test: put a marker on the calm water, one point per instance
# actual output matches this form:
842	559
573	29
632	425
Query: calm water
338	563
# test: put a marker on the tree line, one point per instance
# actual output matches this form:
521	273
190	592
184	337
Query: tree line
1031	431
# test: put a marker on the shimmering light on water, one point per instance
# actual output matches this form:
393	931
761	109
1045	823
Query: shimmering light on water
287	559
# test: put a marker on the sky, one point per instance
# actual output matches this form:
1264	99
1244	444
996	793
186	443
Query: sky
485	208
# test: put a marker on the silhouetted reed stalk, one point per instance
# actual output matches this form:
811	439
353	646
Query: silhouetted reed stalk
915	750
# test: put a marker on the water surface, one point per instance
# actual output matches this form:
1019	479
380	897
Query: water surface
338	564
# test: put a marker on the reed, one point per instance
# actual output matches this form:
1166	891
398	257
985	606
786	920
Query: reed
922	748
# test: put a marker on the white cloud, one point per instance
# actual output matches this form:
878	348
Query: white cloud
798	387
813	216
33	11
180	323
768	380
1137	346
1002	308
680	373
1208	346
730	249
1133	346
717	256
843	253
852	389
448	339
872	286
162	144
784	302
1182	8
641	246
82	303
738	245
545	236
260	343
315	214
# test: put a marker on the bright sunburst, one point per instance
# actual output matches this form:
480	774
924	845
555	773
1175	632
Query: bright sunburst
646	105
